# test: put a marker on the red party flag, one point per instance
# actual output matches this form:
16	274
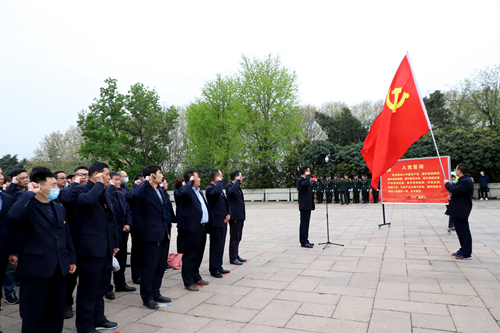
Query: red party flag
402	122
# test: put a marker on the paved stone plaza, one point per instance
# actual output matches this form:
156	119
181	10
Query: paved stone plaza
398	279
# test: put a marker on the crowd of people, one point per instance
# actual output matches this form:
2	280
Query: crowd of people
339	190
59	232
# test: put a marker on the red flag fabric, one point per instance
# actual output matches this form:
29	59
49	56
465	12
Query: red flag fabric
402	122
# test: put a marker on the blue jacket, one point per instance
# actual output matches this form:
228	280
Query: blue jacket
46	244
96	230
155	214
236	201
122	211
460	204
306	200
14	191
483	181
218	207
192	213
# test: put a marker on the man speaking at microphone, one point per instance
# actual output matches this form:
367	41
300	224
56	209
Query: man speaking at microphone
306	204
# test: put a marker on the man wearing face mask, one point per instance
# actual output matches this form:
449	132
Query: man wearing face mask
124	180
47	254
483	184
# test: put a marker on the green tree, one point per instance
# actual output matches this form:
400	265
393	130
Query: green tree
342	129
269	94
215	125
10	162
439	114
292	162
127	131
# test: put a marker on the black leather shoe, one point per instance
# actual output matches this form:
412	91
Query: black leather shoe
110	295
125	288
162	299
242	260
236	262
151	305
217	275
309	246
137	281
106	326
225	271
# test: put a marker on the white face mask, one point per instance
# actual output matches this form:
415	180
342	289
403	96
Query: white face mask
482	173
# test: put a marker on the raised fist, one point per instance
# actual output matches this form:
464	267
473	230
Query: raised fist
98	178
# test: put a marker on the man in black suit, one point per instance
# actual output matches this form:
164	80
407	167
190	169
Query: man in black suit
155	213
66	199
135	234
47	255
96	243
6	202
236	203
193	225
218	209
306	204
123	216
459	209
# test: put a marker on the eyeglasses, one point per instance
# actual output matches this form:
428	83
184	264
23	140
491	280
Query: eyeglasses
23	178
82	174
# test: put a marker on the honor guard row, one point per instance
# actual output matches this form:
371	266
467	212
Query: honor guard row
337	190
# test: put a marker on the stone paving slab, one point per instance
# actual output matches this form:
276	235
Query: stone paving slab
398	279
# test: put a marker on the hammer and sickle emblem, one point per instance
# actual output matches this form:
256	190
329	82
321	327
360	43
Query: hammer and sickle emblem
396	104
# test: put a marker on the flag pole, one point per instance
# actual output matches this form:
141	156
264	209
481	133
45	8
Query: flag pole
426	115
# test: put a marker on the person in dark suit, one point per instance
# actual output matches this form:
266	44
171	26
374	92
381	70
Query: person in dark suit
135	234
6	202
178	183
173	219
459	209
47	255
96	243
236	202
218	209
123	223
155	214
124	181
66	199
306	204
193	225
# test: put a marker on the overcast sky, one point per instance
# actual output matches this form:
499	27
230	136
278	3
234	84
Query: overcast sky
55	55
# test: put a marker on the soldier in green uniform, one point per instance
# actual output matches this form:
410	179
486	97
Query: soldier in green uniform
336	188
365	187
320	189
329	189
344	186
356	188
376	192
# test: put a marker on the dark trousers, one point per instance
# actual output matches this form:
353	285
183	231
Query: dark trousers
153	263
319	196
464	236
235	235
194	247
94	278
70	287
121	256
484	192
217	242
375	196
180	241
305	217
366	196
135	256
336	196
42	302
344	197
329	196
355	195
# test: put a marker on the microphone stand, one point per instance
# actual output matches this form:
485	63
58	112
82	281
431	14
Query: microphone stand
327	226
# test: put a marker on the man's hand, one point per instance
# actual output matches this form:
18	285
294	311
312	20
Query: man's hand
77	179
218	178
168	236
112	182
227	218
13	260
33	187
191	178
149	179
449	197
98	178
308	172
115	251
126	228
15	180
138	181
445	181
72	268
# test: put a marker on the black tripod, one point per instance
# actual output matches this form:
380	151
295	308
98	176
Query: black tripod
327	226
